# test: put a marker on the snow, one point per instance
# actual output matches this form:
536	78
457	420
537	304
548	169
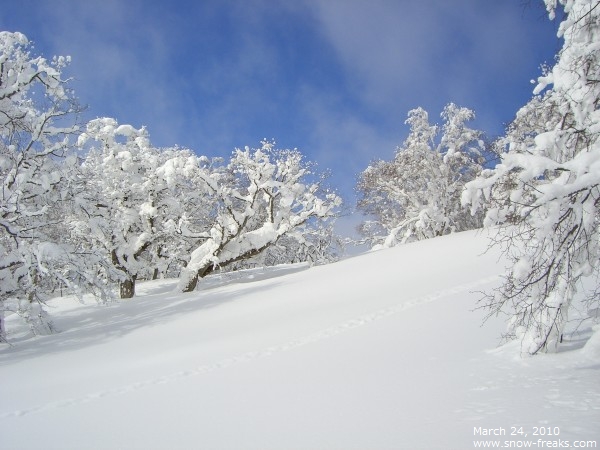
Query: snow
380	351
592	347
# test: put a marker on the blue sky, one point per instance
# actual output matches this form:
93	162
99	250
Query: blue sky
334	78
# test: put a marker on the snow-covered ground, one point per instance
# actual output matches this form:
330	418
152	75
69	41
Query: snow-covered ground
379	351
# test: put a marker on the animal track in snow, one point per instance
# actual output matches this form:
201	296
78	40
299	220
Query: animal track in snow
258	354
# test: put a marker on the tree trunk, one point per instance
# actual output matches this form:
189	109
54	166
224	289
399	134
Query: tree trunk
193	282
2	332
127	287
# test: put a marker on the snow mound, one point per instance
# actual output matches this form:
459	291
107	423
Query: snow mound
591	349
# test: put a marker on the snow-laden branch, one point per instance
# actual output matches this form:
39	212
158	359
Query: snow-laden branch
545	193
263	199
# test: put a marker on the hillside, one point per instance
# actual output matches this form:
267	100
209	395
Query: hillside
379	351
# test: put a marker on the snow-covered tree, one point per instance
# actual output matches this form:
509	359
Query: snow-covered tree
37	116
316	244
132	205
545	194
259	197
417	194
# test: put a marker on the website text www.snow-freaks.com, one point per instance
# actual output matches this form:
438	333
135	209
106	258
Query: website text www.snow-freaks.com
539	437
540	443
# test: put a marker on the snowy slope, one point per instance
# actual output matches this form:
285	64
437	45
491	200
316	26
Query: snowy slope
380	351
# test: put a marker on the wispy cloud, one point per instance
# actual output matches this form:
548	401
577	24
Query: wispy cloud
404	54
334	78
121	60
